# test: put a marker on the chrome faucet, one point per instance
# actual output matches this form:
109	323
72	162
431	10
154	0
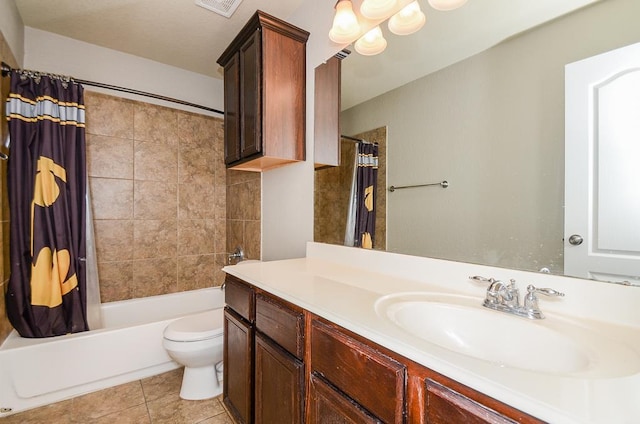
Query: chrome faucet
506	297
238	255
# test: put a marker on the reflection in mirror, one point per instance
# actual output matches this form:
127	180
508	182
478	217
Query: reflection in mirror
493	126
333	189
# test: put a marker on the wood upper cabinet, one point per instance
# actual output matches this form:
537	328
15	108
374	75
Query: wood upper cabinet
326	128
264	94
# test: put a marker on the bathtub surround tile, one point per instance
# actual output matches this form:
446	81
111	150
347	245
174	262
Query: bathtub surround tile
196	164
197	130
116	280
111	198
154	123
152	277
108	115
114	239
220	242
108	401
196	201
155	162
154	238
154	200
197	272
196	237
109	157
252	239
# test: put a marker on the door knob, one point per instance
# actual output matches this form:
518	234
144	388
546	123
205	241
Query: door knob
576	240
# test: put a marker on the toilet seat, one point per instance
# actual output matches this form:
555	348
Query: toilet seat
203	326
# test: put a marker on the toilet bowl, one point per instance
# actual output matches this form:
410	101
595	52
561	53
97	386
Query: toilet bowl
196	342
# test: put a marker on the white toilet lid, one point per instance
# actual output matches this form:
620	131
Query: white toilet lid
201	326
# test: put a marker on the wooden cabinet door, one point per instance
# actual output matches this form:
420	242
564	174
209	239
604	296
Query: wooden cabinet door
326	405
279	384
251	96
238	367
232	110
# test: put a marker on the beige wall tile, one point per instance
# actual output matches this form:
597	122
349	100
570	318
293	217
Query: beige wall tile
155	238
252	239
155	200
196	272
156	124
108	115
155	162
152	277
197	165
111	198
196	236
198	130
109	157
196	201
116	280
114	239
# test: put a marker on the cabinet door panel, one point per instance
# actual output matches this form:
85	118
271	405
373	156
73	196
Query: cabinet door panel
238	367
232	110
326	405
251	96
279	381
446	406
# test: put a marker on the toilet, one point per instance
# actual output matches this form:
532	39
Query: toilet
196	342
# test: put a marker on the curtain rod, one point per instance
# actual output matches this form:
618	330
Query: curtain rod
357	140
6	69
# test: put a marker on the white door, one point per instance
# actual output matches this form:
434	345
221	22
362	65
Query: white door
602	166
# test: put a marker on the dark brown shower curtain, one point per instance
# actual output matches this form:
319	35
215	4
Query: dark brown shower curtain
366	180
46	185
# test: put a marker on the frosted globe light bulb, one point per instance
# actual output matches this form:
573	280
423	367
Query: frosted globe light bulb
377	9
345	24
409	20
371	43
445	5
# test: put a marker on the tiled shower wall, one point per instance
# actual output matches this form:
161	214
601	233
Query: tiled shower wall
166	211
5	56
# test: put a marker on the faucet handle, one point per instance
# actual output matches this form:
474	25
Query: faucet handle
480	279
546	291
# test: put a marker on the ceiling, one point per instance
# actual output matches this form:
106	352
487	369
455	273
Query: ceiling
181	34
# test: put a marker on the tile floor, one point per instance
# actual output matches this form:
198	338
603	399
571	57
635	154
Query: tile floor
151	400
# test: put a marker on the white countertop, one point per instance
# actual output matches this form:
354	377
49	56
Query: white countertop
343	285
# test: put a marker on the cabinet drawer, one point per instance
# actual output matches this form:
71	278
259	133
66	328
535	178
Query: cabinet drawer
445	406
282	323
374	380
239	296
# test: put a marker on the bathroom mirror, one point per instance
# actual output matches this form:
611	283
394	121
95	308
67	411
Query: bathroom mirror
492	125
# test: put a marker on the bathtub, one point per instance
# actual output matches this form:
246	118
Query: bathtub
36	372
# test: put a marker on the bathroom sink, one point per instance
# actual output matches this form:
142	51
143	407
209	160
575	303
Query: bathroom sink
551	345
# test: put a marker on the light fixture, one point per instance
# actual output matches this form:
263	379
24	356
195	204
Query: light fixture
405	17
446	4
377	9
345	24
408	20
371	43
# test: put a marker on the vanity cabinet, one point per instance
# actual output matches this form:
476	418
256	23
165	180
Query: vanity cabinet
264	94
286	365
263	354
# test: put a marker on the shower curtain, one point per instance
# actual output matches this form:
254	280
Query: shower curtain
46	294
361	221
